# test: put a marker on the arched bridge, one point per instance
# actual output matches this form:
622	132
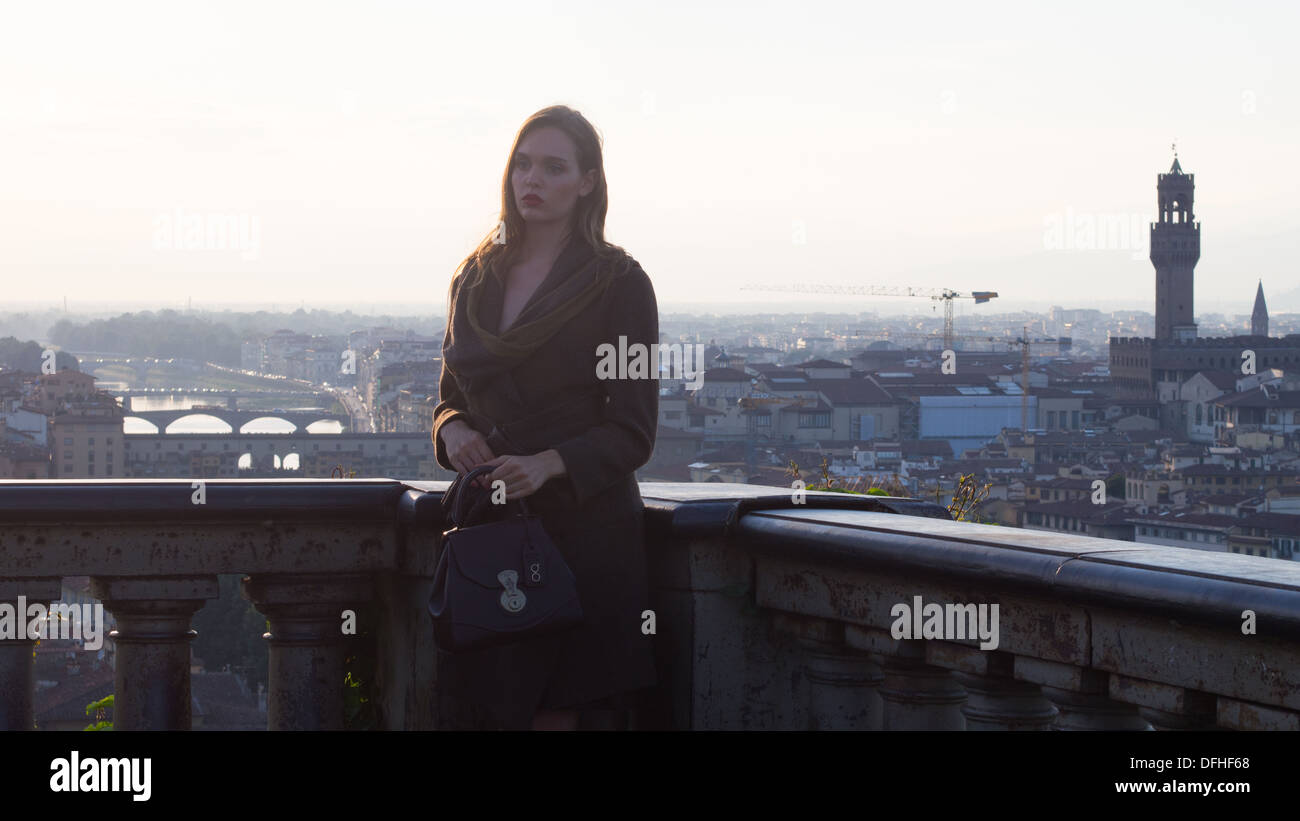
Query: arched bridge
238	418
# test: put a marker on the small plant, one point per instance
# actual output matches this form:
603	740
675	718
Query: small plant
966	497
98	710
359	711
857	485
360	672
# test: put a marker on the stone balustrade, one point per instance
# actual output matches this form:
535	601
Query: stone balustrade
769	615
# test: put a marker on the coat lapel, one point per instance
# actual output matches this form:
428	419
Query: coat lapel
570	260
477	356
492	301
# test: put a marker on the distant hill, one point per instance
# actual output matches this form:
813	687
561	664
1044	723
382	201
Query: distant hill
167	333
26	356
213	337
1285	302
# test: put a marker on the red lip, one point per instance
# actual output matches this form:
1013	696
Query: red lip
532	198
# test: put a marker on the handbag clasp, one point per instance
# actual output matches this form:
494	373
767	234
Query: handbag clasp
513	599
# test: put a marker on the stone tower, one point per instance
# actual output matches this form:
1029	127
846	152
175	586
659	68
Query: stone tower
1175	250
1259	316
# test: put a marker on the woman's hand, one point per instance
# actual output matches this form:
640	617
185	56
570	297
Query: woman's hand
525	475
466	447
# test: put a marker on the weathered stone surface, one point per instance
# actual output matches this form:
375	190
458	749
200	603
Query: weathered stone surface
1162	697
1224	662
179	548
1242	715
1027	626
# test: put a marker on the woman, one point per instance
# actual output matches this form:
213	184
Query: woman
520	391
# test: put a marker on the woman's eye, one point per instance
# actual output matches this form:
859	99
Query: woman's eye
557	168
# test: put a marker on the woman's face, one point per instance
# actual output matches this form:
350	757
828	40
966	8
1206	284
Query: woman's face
545	176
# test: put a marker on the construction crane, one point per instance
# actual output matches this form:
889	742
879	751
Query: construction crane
944	295
1026	345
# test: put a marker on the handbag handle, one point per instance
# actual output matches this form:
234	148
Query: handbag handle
458	493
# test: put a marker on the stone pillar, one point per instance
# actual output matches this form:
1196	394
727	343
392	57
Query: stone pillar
843	690
995	699
918	696
152	643
842	680
1002	703
17	665
1081	694
1093	711
306	637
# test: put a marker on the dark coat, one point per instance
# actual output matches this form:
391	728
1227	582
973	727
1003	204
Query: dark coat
603	430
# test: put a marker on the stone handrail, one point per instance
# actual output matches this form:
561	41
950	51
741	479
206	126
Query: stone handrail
768	614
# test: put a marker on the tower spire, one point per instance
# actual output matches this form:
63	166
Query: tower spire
1259	316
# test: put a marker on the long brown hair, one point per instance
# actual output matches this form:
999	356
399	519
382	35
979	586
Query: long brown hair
589	212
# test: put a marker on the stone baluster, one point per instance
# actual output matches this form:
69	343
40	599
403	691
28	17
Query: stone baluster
1001	703
995	700
1081	695
306	638
915	695
842	681
918	696
152	646
844	690
17	665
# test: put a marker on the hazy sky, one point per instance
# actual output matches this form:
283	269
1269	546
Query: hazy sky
359	147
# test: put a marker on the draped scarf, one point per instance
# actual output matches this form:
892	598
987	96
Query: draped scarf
478	356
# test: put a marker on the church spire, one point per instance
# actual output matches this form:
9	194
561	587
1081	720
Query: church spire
1259	316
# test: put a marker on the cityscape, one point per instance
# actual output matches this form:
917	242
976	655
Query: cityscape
811	367
1163	428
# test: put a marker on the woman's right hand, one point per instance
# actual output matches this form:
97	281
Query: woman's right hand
466	447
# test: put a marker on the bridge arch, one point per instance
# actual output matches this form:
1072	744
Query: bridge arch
192	420
282	425
138	424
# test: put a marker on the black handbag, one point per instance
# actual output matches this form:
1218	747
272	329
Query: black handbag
498	582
